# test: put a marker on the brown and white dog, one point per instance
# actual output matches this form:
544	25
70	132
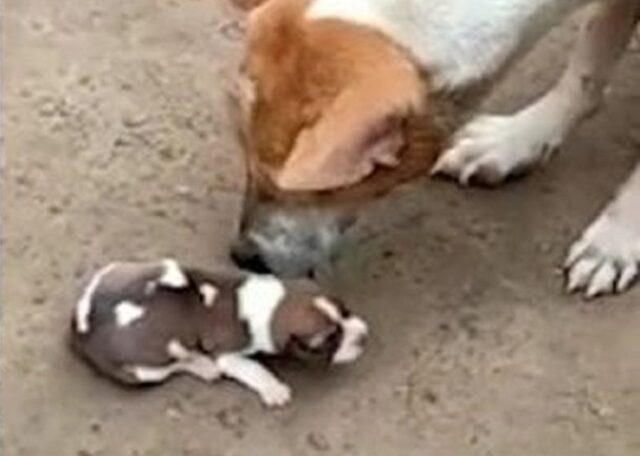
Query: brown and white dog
140	323
345	99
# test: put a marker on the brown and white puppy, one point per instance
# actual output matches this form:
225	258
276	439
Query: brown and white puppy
344	100
140	323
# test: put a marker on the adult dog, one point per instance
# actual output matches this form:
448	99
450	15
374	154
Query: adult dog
345	99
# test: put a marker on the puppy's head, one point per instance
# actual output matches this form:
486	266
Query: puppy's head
309	326
334	114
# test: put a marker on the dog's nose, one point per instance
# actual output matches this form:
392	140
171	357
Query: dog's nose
245	258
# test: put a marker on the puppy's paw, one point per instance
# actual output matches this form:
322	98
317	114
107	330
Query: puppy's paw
277	394
605	259
490	149
204	368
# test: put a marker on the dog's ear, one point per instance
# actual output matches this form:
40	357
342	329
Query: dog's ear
247	5
362	128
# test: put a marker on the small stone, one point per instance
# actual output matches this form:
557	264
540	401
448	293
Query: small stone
54	209
95	427
229	418
135	120
318	442
232	420
173	413
48	108
429	396
84	80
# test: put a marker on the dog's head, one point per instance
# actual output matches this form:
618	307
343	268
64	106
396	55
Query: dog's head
333	114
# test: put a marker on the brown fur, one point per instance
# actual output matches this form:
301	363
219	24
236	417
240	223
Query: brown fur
341	84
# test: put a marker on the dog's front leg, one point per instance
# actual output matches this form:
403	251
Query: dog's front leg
251	373
607	256
491	148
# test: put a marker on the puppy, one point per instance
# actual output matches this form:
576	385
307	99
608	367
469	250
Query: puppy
140	323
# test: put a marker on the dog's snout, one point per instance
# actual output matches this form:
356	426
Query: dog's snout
250	259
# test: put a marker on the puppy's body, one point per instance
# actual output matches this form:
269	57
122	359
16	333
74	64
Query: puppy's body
141	323
361	138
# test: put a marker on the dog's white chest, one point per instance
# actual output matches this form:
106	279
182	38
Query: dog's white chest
458	41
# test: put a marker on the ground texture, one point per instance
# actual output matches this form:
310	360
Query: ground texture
118	144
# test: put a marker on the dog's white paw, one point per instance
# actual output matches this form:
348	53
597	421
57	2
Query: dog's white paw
492	148
606	258
277	394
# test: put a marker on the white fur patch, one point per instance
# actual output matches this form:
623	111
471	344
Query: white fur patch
259	296
173	276
127	312
192	362
83	308
327	307
354	330
458	41
361	11
208	293
176	350
149	374
251	373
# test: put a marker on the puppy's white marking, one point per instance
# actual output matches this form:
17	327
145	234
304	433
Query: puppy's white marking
258	297
354	331
249	372
173	276
176	350
149	374
327	308
127	312
208	293
83	308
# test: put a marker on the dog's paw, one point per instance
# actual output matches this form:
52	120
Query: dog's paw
277	394
605	259
490	149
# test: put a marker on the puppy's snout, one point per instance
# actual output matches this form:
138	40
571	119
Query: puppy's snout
246	256
361	339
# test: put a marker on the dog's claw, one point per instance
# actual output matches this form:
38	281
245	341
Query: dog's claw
581	273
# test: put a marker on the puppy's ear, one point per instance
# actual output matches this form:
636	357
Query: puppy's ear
360	130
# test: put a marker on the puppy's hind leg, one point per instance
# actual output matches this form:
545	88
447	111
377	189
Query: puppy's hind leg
492	148
185	361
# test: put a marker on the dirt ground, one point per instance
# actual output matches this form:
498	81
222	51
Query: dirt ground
118	145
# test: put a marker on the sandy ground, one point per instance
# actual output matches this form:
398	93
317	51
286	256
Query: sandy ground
118	145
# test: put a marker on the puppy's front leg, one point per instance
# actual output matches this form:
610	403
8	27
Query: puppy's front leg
607	256
491	147
251	373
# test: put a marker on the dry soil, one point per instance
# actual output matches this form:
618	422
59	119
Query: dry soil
118	144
